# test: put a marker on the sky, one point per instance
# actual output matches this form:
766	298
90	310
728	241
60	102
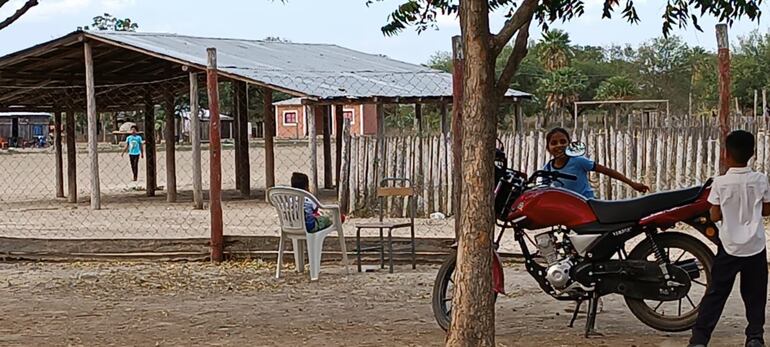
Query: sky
348	23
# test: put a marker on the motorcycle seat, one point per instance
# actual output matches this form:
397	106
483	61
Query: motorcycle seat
632	210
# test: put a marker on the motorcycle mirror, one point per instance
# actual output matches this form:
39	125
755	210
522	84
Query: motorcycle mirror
575	149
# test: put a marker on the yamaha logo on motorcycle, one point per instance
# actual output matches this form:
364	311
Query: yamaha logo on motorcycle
621	232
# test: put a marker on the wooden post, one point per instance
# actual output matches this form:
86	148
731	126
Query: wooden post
457	128
343	190
444	124
235	132
58	149
242	139
723	56
170	148
103	118
72	172
419	181
313	146
756	101
444	170
150	146
326	116
380	170
338	116
269	120
195	138
93	154
215	204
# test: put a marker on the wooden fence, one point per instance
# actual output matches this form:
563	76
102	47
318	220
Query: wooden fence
665	155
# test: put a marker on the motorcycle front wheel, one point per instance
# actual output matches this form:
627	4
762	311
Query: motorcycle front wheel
676	315
443	290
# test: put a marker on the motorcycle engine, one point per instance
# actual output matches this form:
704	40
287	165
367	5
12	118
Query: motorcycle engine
557	273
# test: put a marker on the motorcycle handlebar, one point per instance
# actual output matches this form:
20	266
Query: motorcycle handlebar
566	176
551	175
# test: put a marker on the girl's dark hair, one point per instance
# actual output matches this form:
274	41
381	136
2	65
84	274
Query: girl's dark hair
554	131
300	180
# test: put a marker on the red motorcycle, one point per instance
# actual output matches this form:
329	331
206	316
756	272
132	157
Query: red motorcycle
581	247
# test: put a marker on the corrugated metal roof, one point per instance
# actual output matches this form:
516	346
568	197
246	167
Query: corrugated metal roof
322	71
289	102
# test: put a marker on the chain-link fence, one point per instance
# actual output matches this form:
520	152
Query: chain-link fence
46	188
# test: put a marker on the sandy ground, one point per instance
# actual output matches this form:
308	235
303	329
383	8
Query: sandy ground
235	304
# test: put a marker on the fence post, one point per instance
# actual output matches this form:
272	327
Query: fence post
343	189
313	146
195	137
72	172
269	134
93	154
723	57
150	144
242	138
326	115
170	147
58	149
338	115
215	205
457	128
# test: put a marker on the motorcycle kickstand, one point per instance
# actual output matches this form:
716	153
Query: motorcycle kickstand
578	304
593	304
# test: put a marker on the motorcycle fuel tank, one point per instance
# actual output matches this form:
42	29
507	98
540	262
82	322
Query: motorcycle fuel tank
547	207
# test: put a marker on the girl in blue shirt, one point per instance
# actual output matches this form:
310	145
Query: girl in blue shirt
557	141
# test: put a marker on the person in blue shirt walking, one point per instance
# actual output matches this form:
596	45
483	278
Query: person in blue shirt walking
135	150
557	141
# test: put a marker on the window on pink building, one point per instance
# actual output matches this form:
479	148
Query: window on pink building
348	114
290	118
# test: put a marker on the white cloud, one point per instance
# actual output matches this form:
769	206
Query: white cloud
447	21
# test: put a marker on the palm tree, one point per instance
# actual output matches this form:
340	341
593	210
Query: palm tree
562	88
700	63
554	50
617	88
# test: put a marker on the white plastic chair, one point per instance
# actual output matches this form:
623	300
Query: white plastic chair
289	203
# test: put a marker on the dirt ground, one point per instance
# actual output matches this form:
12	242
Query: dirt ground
240	303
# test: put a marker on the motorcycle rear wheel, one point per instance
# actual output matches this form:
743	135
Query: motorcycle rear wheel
704	257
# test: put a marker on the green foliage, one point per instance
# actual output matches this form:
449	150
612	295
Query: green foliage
661	68
562	87
108	22
440	60
617	88
554	50
422	14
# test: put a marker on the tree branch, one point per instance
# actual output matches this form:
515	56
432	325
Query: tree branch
20	12
522	16
512	65
3	2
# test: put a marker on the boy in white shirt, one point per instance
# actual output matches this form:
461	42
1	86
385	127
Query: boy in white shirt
739	198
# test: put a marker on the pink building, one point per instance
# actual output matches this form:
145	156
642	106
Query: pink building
291	122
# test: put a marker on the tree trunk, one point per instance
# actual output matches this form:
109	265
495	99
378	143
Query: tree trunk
473	315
